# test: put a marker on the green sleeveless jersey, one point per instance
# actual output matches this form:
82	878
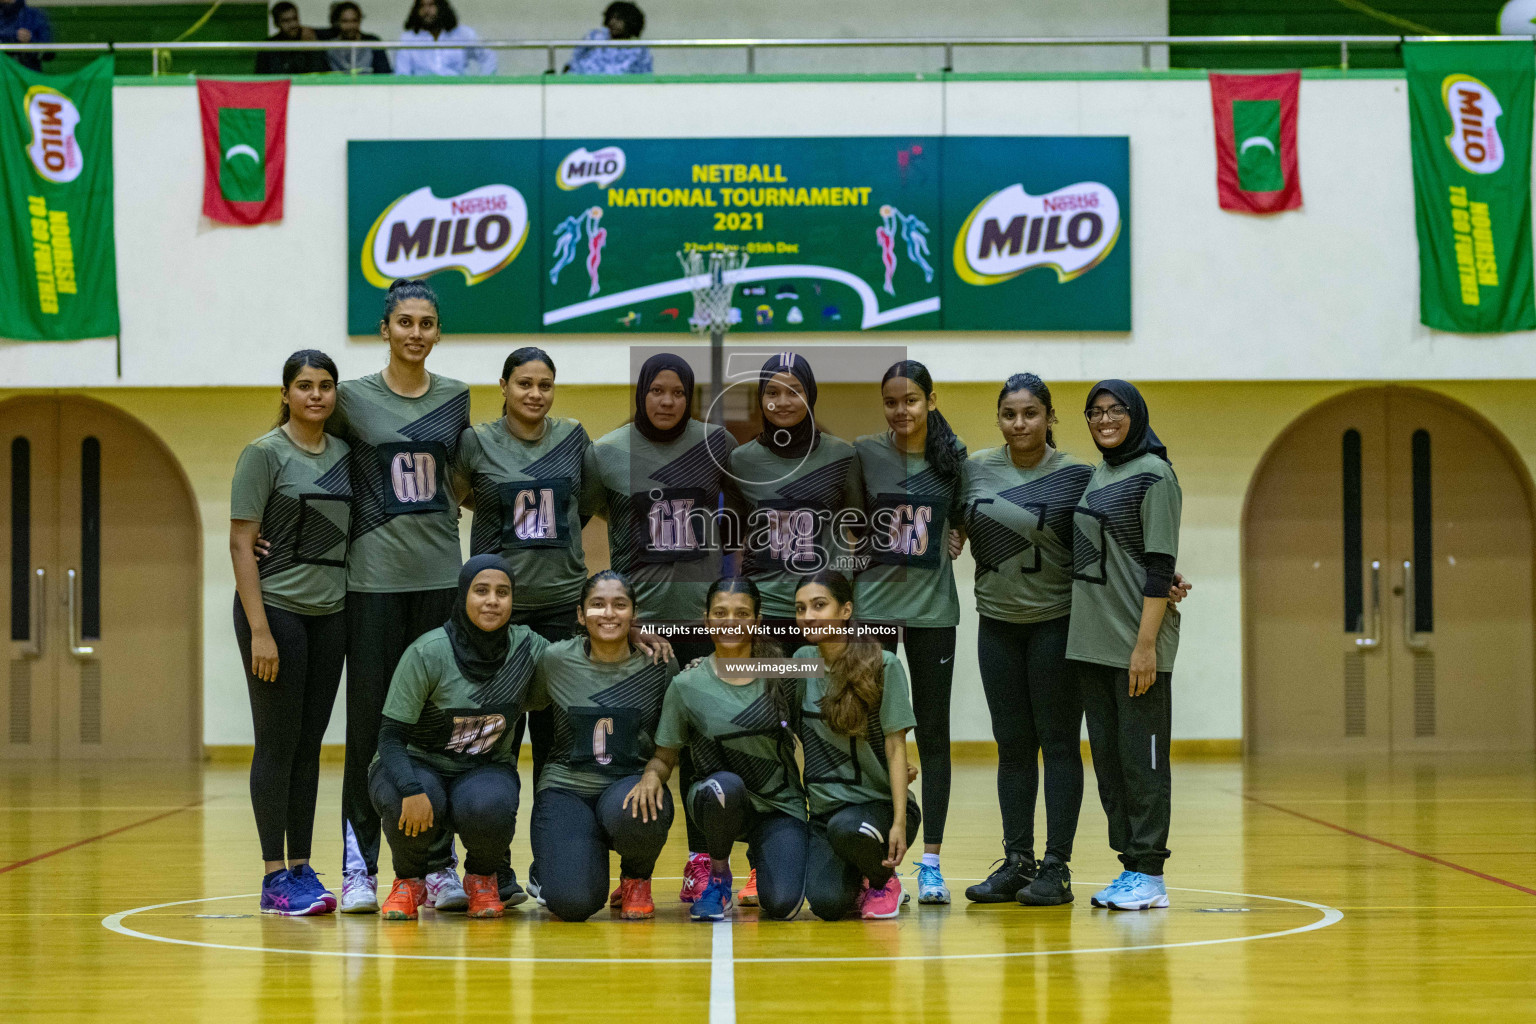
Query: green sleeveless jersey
303	502
788	507
661	502
605	715
405	532
843	770
1126	512
910	578
738	729
457	724
1019	522
526	506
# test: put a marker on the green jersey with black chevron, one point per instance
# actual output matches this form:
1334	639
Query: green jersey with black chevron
910	578
843	770
661	504
737	729
788	505
605	715
457	724
303	502
526	506
1019	522
1127	512
405	532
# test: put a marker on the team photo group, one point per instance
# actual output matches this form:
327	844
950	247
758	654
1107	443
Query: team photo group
743	639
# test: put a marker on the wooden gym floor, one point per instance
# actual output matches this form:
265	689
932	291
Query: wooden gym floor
1316	890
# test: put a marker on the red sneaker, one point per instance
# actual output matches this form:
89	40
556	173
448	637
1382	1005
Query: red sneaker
484	898
406	895
636	900
616	897
748	895
882	902
695	877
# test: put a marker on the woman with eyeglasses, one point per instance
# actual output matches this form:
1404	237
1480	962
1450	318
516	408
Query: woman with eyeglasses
1124	635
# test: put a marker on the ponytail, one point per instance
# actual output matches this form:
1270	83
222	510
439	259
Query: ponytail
942	449
1037	387
856	678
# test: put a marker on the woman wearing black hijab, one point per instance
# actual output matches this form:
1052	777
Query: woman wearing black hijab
658	482
446	756
1124	635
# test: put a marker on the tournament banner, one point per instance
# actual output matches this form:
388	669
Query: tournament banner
1470	111
58	264
245	143
1257	170
460	212
1039	234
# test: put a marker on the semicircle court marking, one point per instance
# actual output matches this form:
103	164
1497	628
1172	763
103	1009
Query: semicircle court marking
1330	916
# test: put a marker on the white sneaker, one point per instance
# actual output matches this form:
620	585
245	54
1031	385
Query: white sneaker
445	892
359	893
930	884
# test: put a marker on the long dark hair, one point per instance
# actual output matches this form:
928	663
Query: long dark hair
856	679
519	356
1035	386
310	357
447	20
762	646
942	449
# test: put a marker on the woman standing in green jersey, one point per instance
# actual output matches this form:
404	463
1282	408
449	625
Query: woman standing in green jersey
403	425
738	727
659	481
1124	634
292	484
605	697
853	724
908	481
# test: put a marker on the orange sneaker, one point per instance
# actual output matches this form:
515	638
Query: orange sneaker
406	895
484	900
636	900
748	895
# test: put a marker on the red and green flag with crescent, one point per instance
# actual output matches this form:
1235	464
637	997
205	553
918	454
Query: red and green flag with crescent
1257	169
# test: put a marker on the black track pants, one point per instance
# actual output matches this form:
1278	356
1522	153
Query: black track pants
687	777
1129	738
847	847
290	715
572	835
776	842
1037	709
479	806
931	661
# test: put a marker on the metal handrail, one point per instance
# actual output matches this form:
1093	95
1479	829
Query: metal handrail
750	46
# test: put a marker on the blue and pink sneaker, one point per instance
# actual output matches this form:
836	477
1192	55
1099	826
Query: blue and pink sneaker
311	881
286	894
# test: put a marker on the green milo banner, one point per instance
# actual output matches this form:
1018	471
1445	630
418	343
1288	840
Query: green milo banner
1469	107
59	277
841	234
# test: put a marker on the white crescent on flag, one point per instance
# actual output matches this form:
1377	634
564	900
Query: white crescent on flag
242	150
1256	140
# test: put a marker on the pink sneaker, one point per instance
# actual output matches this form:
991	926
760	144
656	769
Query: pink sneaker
881	903
695	878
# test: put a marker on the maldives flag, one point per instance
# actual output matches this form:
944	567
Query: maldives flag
245	128
1255	118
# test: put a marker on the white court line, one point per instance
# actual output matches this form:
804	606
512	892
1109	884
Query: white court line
722	975
1331	915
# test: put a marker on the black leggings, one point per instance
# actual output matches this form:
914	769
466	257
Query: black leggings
1036	708
776	842
847	847
379	629
553	624
931	659
290	715
572	835
480	806
687	776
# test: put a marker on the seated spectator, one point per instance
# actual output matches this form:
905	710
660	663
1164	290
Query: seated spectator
22	24
622	20
347	24
285	16
434	20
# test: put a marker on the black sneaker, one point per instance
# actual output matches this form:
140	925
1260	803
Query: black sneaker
1051	887
1014	873
507	889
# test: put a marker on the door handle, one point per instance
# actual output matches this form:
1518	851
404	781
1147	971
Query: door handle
1411	636
74	622
1368	642
37	630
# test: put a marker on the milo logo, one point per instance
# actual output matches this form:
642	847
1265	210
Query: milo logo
600	167
1474	109
55	153
1070	230
478	233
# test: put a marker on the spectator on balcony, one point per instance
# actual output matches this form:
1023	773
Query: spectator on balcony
434	20
347	25
622	20
285	16
22	24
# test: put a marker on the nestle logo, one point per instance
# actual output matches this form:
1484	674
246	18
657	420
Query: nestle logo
480	204
1081	201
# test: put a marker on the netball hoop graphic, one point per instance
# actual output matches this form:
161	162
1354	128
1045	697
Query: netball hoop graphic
712	279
